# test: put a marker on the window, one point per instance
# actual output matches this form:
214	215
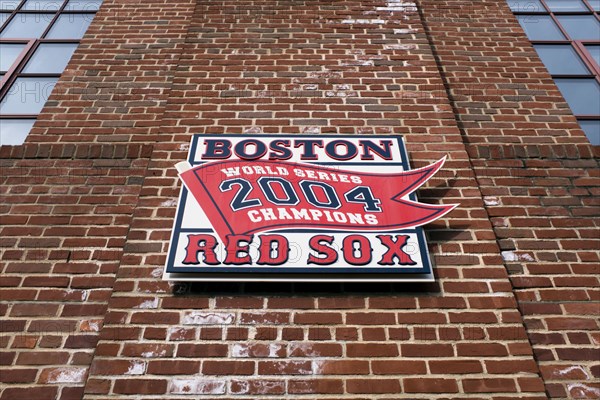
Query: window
566	36
37	40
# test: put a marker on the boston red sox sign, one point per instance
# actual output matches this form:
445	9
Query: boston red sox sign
301	208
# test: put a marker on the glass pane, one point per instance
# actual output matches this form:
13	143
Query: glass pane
26	26
4	17
592	130
583	95
27	95
595	4
42	5
9	4
594	51
540	27
526	6
566	5
8	54
14	131
50	58
70	26
580	27
561	59
83	5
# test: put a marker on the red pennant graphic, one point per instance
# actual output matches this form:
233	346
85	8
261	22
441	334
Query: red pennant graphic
245	197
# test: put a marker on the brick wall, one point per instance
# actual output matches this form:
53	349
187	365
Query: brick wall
509	315
538	178
317	67
69	193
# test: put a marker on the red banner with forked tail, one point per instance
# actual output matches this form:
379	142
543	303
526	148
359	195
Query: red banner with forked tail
246	197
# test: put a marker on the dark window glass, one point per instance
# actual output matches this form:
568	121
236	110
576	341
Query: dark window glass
83	5
580	27
583	95
526	6
8	54
27	95
566	5
70	26
540	27
591	129
42	5
554	57
14	131
25	26
50	58
594	51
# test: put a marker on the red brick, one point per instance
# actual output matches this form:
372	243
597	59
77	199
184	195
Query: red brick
373	386
38	393
394	367
426	350
456	366
371	350
140	386
429	385
320	386
343	367
489	385
173	367
222	367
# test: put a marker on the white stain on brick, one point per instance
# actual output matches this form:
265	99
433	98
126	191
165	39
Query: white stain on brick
491	201
311	130
404	31
360	63
305	349
169	203
570	369
196	386
156	272
581	391
317	367
509	256
90	325
136	368
325	75
239	350
400	46
176	333
512	256
84	293
364	21
184	147
271	350
253	129
67	375
341	93
153	303
154	353
205	318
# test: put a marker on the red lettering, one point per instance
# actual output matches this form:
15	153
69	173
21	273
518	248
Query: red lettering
235	245
282	250
204	244
394	250
316	243
363	249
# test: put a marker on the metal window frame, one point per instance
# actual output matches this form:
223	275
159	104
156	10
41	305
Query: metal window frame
577	45
16	69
